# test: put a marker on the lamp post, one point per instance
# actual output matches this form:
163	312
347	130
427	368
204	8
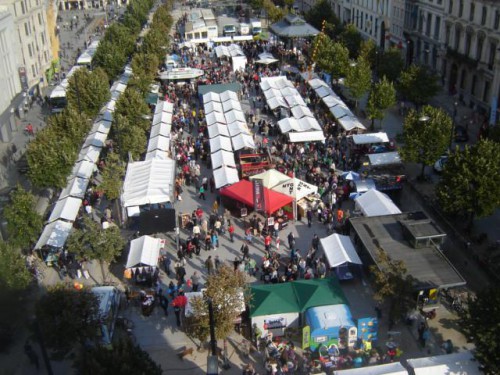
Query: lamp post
212	361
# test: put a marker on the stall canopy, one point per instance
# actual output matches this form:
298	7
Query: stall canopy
238	127
66	209
243	192
144	251
90	153
242	140
95	139
271	178
217	129
83	169
296	188
395	368
148	182
295	296
311	136
339	250
159	143
215	117
362	139
221	158
449	364
213	106
54	234
160	129
76	187
220	143
225	176
376	203
384	158
101	126
350	123
327	320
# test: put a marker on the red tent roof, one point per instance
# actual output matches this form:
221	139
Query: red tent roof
242	191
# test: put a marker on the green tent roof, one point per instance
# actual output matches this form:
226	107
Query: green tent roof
295	296
219	88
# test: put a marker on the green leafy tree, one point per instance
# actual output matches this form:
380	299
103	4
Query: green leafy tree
24	224
352	39
480	321
368	51
274	13
224	289
13	272
332	57
155	42
129	139
144	66
382	97
470	183
112	176
88	91
426	136
123	358
67	316
110	57
418	85
93	242
358	79
390	64
133	106
322	11
392	284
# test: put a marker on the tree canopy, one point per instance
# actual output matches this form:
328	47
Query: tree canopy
133	106
322	11
480	321
129	139
67	316
332	57
382	97
13	272
352	39
426	135
471	181
358	79
390	64
88	91
112	176
418	85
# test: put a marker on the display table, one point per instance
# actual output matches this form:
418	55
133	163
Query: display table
306	203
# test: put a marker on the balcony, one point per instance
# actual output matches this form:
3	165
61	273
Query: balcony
457	56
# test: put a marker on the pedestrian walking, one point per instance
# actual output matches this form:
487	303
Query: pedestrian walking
215	240
217	262
195	280
202	193
230	229
164	304
309	215
209	264
177	312
245	250
166	264
291	241
267	242
315	242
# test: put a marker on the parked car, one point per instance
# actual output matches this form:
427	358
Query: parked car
461	134
440	163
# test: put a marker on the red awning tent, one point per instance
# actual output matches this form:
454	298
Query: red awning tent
243	192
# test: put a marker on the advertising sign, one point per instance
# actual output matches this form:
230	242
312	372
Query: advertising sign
367	329
258	195
23	77
306	334
275	323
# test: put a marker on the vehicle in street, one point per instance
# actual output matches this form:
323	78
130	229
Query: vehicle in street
440	163
57	98
461	134
256	26
244	28
229	30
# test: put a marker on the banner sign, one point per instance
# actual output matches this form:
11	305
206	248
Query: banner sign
368	329
306	334
259	203
274	323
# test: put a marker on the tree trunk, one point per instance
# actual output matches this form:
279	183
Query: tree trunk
104	274
422	172
372	126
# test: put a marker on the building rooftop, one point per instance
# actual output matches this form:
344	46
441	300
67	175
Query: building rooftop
409	237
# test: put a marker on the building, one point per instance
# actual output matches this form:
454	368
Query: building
201	24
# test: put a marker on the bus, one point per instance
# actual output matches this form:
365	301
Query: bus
57	98
85	59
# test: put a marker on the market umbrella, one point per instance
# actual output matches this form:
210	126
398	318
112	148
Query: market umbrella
350	175
355	195
174	57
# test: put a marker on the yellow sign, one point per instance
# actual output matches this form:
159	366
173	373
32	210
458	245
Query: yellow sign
306	334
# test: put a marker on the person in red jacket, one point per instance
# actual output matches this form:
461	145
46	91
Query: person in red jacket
267	242
230	229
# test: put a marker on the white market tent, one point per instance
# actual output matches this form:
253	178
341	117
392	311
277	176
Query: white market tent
228	95
339	250
306	136
384	158
288	124
222	158
339	111
101	126
276	102
363	139
220	143
231	104
271	178
350	123
90	153
272	93
83	169
76	187
95	139
214	117
241	141
295	188
233	116
395	368
217	129
323	91
157	154
54	234
162	118
159	143
238	63
148	182
144	251
309	123
449	364
300	111
225	176
316	83
332	101
376	203
213	106
164	106
211	97
162	129
66	209
238	127
293	100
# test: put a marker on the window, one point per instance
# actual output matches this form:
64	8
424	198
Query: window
468	41
450	7
497	19
473	85
479	49
428	24
23	9
26	29
461	8
472	10
491	60
437	28
486	91
463	79
39	18
483	15
42	36
447	35
421	23
457	38
30	51
33	70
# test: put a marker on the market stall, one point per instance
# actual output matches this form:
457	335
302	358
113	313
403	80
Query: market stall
339	252
225	176
376	203
449	364
395	368
65	209
142	259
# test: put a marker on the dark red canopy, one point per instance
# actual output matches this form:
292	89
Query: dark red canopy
243	192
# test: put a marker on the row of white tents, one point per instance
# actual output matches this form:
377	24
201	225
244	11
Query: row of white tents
233	52
302	126
66	209
336	105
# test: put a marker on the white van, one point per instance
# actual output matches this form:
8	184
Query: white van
171	64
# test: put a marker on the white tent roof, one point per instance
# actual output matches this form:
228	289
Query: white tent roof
238	127
309	123
449	364
106	115
157	154
288	91
101	126
159	143
66	209
350	123
164	106
148	182
296	188
225	176
339	250
384	158
339	111
294	100
220	142
323	91
231	104
233	116
272	93
211	97
376	203
306	136
214	117
213	106
332	101
288	124
162	117
221	158
361	139
217	129
277	82
300	111
276	102
228	95
316	82
95	139
162	129
395	368
76	187
83	169
242	140
54	234
144	251
238	63
271	178
90	153
266	60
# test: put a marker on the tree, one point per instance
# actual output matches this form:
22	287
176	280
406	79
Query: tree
88	91
224	289
352	39
426	136
112	176
67	316
358	79
481	320
123	358
418	85
133	106
24	224
368	51
144	66
13	272
332	57
94	242
390	64
129	139
274	13
155	43
393	284
470	183
322	11
382	97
